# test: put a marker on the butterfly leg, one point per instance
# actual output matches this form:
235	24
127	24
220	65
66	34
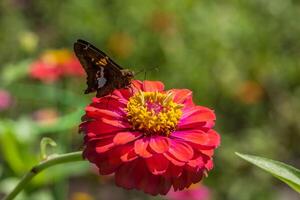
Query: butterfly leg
132	87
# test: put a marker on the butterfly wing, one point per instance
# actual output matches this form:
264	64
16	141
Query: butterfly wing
100	69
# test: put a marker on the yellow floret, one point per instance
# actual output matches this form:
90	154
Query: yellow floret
153	112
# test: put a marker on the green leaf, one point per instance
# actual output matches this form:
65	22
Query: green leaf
9	147
282	171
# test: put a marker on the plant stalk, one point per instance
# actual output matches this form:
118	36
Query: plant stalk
59	159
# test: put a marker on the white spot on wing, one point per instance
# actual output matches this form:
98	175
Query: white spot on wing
101	80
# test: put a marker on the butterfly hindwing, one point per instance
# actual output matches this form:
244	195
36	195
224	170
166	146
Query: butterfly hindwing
103	74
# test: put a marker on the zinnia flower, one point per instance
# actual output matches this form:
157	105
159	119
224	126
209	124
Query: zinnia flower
55	64
150	138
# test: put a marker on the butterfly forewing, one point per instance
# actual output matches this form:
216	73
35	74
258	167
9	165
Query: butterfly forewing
103	74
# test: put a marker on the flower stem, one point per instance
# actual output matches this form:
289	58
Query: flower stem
63	158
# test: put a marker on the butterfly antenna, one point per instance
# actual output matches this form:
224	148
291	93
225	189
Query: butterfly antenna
137	73
144	70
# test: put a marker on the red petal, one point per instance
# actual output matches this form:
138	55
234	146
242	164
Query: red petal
173	171
125	137
194	177
209	165
215	137
124	174
157	164
141	175
111	102
152	86
103	145
197	163
104	162
123	94
165	186
197	110
195	118
116	123
199	137
90	154
186	179
92	137
101	127
159	144
207	152
173	160
135	175
181	150
137	84
129	156
181	182
124	152
140	147
152	184
182	96
93	112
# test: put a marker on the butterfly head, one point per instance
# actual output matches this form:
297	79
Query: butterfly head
127	77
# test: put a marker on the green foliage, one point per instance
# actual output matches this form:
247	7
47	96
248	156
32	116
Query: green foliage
282	171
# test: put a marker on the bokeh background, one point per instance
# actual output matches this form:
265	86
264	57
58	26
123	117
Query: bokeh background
240	58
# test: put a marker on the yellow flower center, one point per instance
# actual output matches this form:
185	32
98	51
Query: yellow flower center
153	112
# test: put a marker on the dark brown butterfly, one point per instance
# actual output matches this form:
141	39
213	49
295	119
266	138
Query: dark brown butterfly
103	74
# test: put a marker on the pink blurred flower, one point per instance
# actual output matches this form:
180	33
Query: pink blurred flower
5	100
46	117
195	192
54	64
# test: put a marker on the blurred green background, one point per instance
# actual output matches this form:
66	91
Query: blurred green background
240	58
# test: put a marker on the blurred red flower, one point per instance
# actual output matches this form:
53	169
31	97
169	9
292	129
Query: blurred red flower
54	64
150	138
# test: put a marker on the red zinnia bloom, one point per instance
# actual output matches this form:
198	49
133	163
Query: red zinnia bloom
54	64
150	138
